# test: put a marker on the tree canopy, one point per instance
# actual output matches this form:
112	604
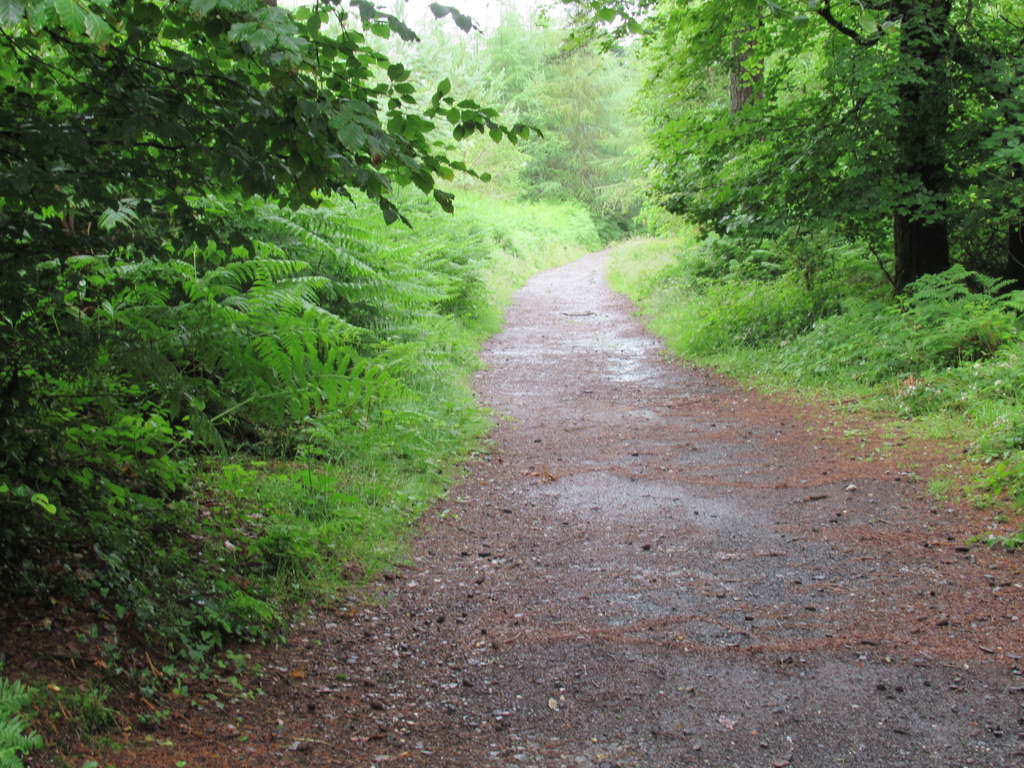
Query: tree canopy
161	101
897	123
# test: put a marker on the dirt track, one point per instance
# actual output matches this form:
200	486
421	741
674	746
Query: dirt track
653	568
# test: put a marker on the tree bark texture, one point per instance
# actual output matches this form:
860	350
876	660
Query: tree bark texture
920	236
741	80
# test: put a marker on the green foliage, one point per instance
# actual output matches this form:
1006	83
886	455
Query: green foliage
226	384
330	362
15	743
86	711
642	266
766	119
717	295
578	98
946	321
1012	542
165	102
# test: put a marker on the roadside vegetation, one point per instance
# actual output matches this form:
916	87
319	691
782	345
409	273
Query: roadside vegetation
237	326
946	354
248	254
845	180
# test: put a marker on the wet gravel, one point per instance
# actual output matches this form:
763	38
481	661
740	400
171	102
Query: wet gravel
652	567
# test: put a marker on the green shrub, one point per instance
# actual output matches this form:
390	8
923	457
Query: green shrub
204	437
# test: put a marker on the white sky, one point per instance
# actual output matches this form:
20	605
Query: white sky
486	13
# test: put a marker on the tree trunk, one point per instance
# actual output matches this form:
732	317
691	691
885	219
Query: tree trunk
920	248
1014	270
920	237
741	81
1015	257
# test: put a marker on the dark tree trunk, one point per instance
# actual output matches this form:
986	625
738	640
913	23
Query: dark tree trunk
741	79
1015	256
920	249
920	237
1014	271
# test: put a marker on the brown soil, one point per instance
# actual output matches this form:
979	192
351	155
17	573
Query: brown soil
652	567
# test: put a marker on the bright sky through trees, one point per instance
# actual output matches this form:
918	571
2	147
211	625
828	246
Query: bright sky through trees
486	13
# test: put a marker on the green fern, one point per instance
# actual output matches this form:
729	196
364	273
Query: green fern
959	315
14	742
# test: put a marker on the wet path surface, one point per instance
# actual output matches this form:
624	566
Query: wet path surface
655	569
652	568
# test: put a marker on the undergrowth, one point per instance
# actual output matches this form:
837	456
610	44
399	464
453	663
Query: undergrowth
15	739
203	442
948	349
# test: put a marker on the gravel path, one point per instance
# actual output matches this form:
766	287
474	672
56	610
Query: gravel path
654	568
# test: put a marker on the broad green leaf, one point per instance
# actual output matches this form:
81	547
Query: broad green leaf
445	200
72	14
42	500
868	23
203	7
11	12
389	212
97	28
463	22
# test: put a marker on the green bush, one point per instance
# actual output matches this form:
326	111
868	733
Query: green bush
206	436
941	323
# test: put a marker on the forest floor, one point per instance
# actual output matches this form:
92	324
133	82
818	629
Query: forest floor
650	567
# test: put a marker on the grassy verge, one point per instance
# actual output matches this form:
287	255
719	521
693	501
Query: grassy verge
281	487
946	357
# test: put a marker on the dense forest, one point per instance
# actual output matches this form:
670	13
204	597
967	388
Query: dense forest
248	252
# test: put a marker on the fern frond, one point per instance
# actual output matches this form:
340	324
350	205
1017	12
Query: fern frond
125	215
1014	300
13	740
